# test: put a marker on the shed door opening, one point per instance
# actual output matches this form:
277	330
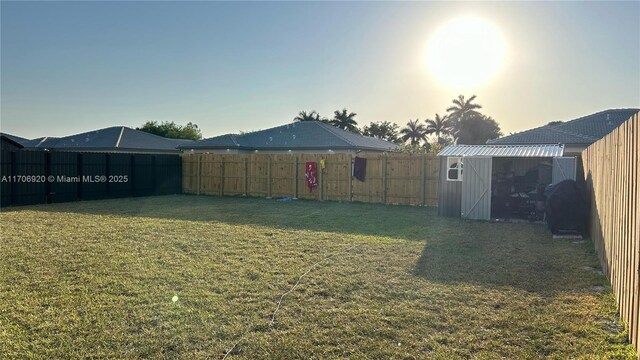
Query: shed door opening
564	168
476	188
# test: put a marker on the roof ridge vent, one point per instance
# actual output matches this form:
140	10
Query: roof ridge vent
119	137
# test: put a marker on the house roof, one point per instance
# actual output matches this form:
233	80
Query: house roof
582	131
541	150
297	135
223	141
111	138
45	142
15	140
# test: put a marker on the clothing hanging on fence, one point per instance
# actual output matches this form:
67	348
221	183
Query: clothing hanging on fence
322	164
311	173
359	168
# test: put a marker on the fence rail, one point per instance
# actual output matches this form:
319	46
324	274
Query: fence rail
39	177
612	169
410	179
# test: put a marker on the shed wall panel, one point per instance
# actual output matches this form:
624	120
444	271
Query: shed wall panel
450	194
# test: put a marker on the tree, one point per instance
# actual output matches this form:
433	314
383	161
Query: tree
477	130
414	132
439	126
413	149
461	110
344	120
172	130
553	123
310	116
382	130
436	147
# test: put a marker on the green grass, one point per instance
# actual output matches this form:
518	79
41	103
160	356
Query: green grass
96	279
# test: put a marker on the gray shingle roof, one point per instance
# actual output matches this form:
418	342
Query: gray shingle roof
297	135
582	131
41	142
223	141
114	138
16	139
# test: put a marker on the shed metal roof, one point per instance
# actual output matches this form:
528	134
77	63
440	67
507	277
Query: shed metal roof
543	150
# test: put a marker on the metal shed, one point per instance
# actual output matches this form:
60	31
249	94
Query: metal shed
472	176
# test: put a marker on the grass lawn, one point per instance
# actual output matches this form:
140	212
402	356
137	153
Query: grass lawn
99	279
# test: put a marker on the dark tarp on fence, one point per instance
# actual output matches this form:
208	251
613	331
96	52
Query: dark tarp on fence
39	177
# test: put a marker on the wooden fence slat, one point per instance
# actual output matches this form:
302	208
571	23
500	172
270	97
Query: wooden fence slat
392	178
199	174
612	169
384	179
350	174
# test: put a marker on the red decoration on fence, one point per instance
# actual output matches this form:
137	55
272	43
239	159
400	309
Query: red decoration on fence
311	173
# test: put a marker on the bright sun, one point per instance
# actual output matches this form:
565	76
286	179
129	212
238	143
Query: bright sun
465	52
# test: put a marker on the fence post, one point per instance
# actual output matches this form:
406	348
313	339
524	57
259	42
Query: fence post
350	170
199	173
79	172
384	178
295	176
268	176
221	175
132	188
246	182
319	171
154	175
423	175
180	167
47	172
107	162
12	170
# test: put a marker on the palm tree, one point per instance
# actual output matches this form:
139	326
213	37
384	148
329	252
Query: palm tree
344	120
310	116
439	126
462	109
414	131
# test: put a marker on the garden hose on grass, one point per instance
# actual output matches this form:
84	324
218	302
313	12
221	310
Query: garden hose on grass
273	316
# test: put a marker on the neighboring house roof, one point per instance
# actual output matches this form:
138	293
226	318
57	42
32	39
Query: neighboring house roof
41	142
582	131
541	150
108	139
17	141
223	141
297	135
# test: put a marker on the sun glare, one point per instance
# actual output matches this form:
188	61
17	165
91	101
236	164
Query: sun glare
465	52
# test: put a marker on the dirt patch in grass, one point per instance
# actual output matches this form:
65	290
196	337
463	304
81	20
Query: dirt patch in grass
100	279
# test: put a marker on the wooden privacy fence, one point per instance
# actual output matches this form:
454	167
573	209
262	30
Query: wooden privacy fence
390	178
612	172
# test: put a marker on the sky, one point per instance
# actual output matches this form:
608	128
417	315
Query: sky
70	67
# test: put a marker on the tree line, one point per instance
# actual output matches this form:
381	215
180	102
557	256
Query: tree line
463	123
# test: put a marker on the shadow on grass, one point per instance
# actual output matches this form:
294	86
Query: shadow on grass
404	222
523	256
